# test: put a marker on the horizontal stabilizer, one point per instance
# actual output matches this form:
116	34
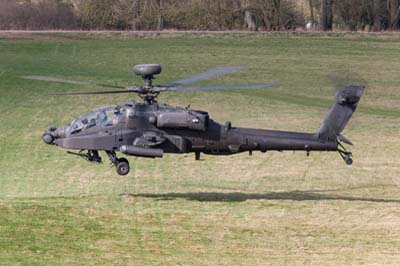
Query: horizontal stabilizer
343	139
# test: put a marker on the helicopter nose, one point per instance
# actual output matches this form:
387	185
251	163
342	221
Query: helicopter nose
52	133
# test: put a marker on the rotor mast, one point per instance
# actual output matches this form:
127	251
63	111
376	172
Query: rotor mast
147	72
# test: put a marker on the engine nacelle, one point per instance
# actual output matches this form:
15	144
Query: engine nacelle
194	120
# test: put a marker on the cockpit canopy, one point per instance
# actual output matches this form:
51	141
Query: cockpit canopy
104	117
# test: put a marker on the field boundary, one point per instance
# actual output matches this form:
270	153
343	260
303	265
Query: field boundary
100	34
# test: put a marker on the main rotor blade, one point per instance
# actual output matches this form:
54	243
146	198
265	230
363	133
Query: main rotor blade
206	75
94	92
51	79
225	87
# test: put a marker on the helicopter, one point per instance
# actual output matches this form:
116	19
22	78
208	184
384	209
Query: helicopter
151	129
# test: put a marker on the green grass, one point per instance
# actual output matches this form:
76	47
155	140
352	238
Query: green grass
268	209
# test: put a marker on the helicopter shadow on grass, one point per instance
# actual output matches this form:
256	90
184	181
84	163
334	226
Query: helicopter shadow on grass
296	195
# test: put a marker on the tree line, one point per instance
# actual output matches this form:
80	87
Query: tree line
254	15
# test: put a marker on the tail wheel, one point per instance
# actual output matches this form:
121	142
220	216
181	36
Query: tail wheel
346	155
122	166
349	161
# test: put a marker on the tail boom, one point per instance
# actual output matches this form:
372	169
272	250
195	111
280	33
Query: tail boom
271	140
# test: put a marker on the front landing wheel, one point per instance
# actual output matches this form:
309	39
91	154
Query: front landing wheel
122	166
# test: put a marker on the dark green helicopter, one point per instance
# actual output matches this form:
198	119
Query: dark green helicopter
150	129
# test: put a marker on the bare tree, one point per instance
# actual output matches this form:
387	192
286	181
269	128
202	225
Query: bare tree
379	15
393	8
271	15
327	15
311	6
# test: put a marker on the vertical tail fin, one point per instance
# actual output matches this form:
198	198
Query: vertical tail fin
345	104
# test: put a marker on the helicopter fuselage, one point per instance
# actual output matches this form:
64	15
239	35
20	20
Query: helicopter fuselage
152	129
149	130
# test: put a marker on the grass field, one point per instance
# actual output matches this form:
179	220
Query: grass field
268	209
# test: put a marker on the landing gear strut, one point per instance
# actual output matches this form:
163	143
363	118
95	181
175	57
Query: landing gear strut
121	164
346	155
91	155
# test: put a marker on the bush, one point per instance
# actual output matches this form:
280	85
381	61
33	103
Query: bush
41	15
